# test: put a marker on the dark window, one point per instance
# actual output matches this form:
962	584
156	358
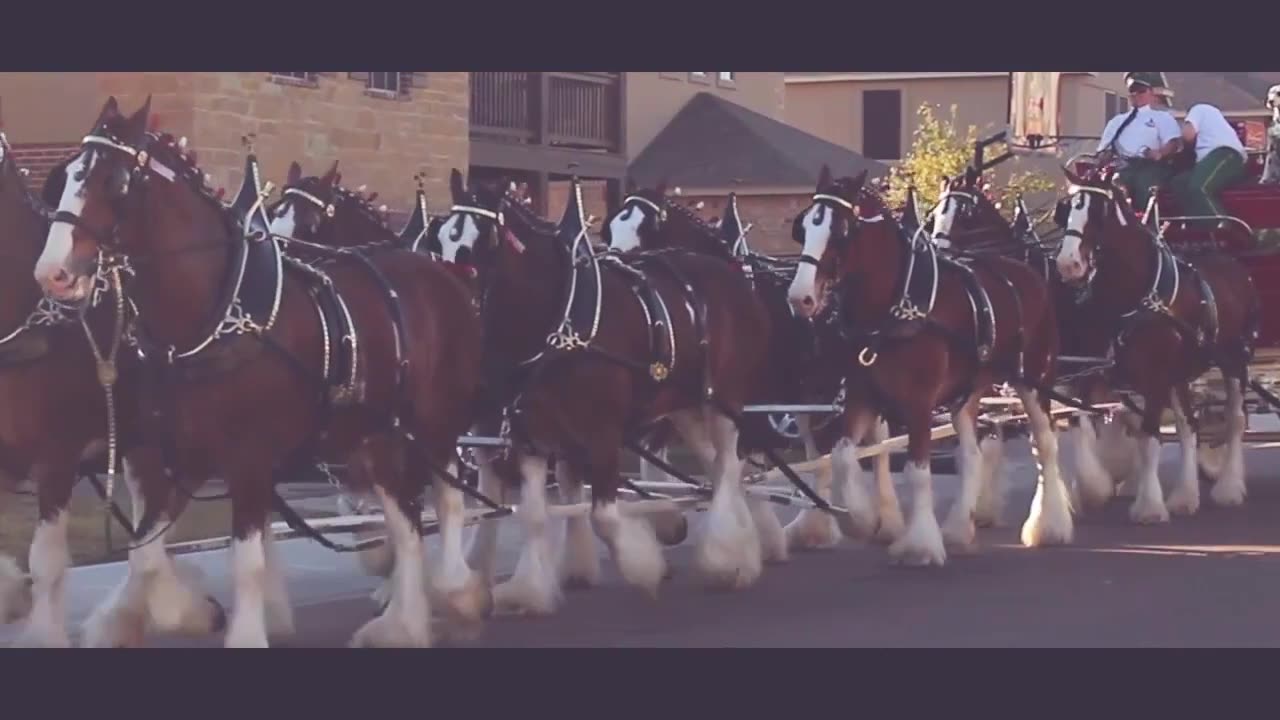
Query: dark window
394	83
882	124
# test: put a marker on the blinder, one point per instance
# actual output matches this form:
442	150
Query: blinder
659	212
824	204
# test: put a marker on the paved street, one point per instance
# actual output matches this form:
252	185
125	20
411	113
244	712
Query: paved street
1204	581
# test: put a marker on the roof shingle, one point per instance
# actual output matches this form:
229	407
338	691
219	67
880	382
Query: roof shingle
712	142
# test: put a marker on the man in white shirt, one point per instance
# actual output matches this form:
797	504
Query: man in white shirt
1220	160
1143	136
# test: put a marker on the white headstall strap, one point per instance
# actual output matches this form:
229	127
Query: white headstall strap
835	199
643	201
482	212
322	205
142	156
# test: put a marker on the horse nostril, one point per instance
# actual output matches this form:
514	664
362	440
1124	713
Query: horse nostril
808	301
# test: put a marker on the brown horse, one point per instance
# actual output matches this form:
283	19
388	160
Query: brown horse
259	363
933	332
803	362
584	354
47	364
1172	320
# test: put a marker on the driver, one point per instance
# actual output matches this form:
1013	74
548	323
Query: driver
1143	136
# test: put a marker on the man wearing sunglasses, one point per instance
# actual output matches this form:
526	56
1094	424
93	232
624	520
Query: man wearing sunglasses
1143	136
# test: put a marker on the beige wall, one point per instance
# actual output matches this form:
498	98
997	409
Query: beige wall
833	110
48	107
654	98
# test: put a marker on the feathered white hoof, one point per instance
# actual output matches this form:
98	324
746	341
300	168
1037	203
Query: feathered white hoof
812	530
1211	459
773	538
637	553
892	525
533	589
1229	491
1049	522
921	544
671	528
176	604
389	630
117	626
469	602
1184	500
579	561
1148	507
15	591
859	523
959	532
729	556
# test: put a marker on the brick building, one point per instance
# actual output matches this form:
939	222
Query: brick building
383	127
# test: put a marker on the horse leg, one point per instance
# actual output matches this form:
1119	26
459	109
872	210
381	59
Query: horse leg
579	561
860	521
631	539
153	594
1094	483
671	527
891	524
1230	490
1049	520
484	541
15	591
407	620
812	528
730	555
49	559
533	588
921	543
464	592
991	500
1120	452
1185	499
958	529
1149	507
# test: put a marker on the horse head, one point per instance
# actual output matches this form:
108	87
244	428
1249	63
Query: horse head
964	208
640	221
825	231
320	210
1096	209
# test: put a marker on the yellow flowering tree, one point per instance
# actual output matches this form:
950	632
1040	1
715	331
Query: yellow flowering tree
939	151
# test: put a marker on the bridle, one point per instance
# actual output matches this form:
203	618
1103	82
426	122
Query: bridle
827	202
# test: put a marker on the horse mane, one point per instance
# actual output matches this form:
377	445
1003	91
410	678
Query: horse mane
701	225
525	214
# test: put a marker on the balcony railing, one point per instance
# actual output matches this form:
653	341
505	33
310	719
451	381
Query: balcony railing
575	110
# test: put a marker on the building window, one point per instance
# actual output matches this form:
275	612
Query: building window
726	79
882	124
303	79
699	77
385	84
1114	105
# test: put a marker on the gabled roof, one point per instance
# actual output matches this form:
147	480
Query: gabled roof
713	142
1229	92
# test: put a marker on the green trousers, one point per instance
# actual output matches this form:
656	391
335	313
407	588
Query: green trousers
1139	176
1198	189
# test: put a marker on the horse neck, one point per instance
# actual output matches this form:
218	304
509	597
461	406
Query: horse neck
988	228
872	288
1127	268
22	234
682	232
178	283
353	229
522	304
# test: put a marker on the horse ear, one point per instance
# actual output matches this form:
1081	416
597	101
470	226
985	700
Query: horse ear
331	175
137	122
295	173
824	176
110	109
456	186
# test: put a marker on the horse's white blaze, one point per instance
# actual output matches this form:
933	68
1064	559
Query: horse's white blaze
1070	258
286	223
58	243
49	559
817	233
944	219
455	233
624	230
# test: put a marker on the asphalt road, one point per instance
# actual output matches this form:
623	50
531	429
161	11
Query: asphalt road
1203	581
